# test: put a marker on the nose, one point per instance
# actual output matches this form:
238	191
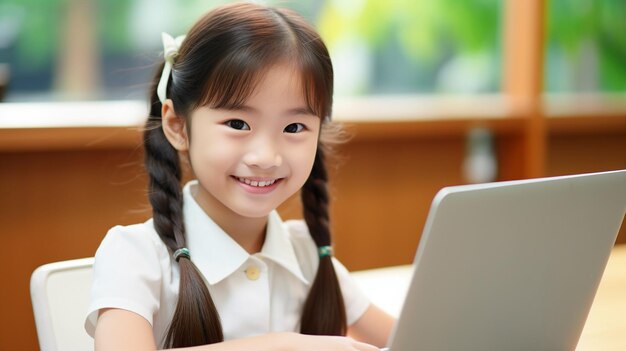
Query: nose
264	154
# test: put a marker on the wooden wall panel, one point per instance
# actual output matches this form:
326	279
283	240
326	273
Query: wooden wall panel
57	206
571	154
383	193
585	153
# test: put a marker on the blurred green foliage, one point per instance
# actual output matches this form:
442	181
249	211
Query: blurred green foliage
585	39
425	39
114	25
585	31
36	34
40	27
420	25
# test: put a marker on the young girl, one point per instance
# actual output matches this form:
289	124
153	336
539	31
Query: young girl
244	100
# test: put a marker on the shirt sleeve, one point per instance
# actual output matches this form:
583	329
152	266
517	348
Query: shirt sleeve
126	275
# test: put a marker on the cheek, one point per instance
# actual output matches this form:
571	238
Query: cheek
209	157
303	157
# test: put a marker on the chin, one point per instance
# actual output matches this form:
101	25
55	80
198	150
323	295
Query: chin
253	212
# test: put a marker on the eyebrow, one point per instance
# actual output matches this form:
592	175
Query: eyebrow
290	112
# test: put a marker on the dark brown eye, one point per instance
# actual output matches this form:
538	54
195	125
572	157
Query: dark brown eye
238	124
294	128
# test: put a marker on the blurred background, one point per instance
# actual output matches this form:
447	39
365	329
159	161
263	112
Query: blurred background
104	49
434	93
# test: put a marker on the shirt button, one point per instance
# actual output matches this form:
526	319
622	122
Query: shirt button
253	273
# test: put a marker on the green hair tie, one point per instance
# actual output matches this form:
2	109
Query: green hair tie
184	252
325	251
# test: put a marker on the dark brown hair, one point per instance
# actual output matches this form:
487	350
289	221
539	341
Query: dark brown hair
219	63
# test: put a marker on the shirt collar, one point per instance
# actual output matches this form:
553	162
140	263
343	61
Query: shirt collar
279	248
217	255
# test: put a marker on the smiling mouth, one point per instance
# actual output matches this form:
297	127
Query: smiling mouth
256	182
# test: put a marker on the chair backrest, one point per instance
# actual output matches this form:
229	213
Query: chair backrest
60	295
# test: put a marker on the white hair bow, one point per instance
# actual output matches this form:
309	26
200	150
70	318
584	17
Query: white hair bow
170	51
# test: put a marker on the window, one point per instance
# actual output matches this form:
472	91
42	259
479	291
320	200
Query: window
105	49
585	46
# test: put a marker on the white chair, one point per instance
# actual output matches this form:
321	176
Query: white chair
60	295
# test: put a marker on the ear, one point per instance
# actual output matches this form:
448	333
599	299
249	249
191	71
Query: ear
174	127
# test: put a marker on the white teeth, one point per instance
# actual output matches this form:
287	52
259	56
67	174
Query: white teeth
256	183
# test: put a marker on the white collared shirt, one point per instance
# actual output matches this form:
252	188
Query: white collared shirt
254	294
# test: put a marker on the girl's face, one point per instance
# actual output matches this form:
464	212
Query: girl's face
251	159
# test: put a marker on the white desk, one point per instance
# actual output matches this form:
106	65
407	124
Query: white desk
606	325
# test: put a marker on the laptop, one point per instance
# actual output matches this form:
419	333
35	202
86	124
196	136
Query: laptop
511	265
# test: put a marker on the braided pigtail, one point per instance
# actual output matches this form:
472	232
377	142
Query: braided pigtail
324	312
195	320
